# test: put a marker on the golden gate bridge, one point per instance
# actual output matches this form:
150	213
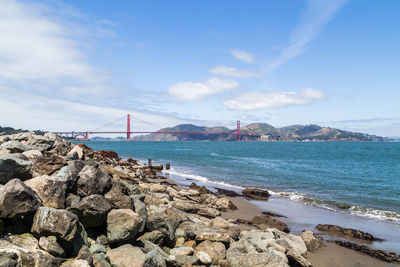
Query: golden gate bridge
84	135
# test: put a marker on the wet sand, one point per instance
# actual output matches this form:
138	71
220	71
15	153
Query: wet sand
331	255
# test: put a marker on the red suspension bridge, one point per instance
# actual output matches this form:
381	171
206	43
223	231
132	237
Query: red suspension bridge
84	135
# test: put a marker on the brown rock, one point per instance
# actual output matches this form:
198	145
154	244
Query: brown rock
17	199
263	222
50	190
216	250
92	180
92	210
312	242
48	165
256	193
345	232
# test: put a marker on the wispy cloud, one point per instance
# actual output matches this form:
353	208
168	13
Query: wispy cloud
242	55
313	19
369	120
271	100
233	72
44	52
38	111
200	90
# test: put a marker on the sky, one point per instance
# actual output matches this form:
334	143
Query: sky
80	65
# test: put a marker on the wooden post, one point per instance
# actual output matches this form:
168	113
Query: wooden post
167	166
149	163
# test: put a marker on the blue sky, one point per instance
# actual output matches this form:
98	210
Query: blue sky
76	65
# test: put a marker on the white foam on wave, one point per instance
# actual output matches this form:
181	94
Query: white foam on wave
295	196
201	178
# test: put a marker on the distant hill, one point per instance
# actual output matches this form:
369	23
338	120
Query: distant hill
264	131
10	130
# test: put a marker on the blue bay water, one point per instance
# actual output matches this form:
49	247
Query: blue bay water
363	175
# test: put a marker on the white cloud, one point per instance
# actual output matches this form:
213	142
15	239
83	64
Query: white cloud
271	100
233	72
41	51
242	55
200	90
316	15
20	109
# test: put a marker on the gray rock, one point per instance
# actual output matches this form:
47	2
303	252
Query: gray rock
164	223
60	223
85	254
92	210
154	258
224	204
92	181
33	155
72	199
264	222
203	257
75	263
50	245
181	251
140	208
75	153
155	237
119	198
8	259
96	248
216	250
181	260
101	260
290	242
312	242
126	256
51	191
14	166
122	225
295	259
17	199
14	147
258	239
238	259
209	212
66	175
102	240
40	143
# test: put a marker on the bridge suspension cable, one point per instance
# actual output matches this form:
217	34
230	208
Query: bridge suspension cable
105	125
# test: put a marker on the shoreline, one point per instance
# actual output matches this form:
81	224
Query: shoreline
342	256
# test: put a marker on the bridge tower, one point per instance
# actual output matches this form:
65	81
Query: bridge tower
128	127
238	130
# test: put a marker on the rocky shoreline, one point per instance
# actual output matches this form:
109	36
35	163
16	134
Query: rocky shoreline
67	205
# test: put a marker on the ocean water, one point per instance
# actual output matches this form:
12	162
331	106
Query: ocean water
364	176
309	182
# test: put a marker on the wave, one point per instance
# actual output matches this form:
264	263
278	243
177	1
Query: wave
333	206
203	179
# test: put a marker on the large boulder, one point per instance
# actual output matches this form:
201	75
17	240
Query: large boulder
23	250
92	210
17	199
48	165
75	153
224	204
264	222
118	196
165	223
51	245
14	166
51	191
216	250
258	239
290	242
33	155
126	256
122	225
238	259
66	176
312	242
40	143
61	223
256	194
14	147
92	180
